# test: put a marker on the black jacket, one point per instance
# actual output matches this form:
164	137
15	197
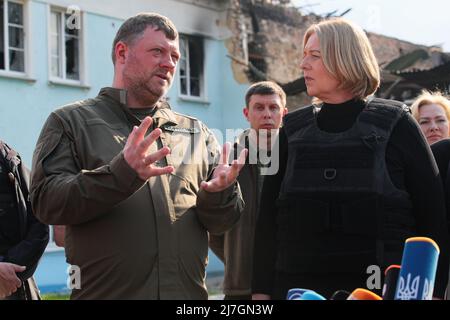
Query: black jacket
30	239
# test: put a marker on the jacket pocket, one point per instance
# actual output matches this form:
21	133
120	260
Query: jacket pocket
45	147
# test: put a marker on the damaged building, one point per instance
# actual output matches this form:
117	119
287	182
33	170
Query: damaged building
267	40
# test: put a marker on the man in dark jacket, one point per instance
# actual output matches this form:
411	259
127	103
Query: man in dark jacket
264	110
23	238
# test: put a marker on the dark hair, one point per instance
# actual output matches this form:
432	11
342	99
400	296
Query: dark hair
265	88
133	28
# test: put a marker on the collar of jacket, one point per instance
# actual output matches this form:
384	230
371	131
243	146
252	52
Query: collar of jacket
163	115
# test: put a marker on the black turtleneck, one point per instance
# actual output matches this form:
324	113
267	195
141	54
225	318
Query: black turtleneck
411	167
337	118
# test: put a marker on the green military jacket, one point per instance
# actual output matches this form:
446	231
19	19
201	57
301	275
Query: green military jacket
131	239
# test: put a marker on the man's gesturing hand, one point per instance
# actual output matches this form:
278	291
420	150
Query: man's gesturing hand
136	151
224	174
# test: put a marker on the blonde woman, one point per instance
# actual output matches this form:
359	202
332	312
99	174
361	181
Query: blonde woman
356	178
432	112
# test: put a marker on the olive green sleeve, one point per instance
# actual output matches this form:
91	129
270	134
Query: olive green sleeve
62	193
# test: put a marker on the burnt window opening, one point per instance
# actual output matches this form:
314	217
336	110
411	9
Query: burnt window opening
256	57
191	66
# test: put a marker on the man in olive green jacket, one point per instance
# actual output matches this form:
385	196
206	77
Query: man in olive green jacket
137	207
264	110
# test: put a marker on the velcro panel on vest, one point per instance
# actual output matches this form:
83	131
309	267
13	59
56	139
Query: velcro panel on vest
331	169
382	115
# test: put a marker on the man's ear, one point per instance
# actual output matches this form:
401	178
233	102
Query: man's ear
285	111
245	112
121	51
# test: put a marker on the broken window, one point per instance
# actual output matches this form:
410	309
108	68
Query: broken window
191	66
64	47
12	42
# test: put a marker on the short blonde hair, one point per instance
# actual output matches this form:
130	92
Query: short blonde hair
347	55
427	97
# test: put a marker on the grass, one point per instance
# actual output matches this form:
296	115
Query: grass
56	296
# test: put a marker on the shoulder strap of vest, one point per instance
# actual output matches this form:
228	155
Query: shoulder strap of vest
299	119
383	115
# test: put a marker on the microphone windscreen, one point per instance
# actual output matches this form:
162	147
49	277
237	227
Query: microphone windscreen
390	282
418	269
363	294
311	295
295	293
340	295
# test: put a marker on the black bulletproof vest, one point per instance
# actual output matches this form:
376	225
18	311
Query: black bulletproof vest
338	208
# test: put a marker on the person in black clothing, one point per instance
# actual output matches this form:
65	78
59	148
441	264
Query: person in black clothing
441	152
356	178
23	238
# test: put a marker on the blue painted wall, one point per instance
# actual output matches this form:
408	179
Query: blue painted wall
25	105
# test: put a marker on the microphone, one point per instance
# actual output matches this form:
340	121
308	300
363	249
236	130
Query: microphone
295	293
340	295
418	269
390	282
363	294
311	295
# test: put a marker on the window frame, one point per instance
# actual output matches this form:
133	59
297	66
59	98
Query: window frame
202	97
82	82
7	72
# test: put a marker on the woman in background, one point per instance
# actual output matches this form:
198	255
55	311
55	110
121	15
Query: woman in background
432	112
